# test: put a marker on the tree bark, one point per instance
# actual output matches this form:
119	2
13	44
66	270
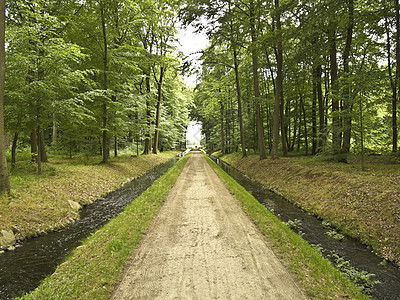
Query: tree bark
106	141
158	110
314	114
42	146
14	150
394	102
239	99
147	141
321	109
336	143
279	80
346	99
34	145
222	127
254	54
4	179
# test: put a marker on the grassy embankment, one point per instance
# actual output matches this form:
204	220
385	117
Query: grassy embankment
364	205
93	269
43	203
316	274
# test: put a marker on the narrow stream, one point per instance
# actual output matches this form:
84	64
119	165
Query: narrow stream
22	270
360	256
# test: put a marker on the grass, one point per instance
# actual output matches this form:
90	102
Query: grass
316	274
93	269
363	205
47	202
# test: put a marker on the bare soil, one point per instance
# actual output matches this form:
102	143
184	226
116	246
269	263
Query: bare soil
201	245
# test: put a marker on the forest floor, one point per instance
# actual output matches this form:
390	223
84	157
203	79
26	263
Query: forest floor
363	204
201	245
50	201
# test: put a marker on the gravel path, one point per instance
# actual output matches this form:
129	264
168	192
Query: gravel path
202	246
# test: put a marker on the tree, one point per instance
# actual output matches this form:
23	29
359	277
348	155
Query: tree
4	181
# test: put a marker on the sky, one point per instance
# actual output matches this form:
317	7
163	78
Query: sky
190	44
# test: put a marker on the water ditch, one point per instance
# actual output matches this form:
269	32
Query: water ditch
23	269
315	232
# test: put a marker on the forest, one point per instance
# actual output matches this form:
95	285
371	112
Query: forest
278	77
92	77
308	77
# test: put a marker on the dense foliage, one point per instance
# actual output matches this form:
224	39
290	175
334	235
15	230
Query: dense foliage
87	76
307	76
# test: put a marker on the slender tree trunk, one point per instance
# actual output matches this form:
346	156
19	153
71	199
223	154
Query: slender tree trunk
222	127
42	146
279	80
54	135
115	146
106	140
362	135
14	150
254	54
314	113
39	151
321	110
346	97
147	141
239	99
303	108
159	97
394	102
335	102
4	180
34	145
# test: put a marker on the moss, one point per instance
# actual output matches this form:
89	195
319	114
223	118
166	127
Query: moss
364	205
41	203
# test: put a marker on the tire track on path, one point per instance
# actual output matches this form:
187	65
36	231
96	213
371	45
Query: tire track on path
201	245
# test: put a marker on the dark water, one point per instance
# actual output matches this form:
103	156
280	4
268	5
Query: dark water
22	270
359	255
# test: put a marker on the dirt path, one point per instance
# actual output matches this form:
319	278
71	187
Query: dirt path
202	246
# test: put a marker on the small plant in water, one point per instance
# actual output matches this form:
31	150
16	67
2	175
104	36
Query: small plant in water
294	224
318	247
360	278
326	223
333	234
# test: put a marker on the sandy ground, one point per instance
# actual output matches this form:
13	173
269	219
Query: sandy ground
202	246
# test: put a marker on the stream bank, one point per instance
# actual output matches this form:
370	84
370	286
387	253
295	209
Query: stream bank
364	205
44	203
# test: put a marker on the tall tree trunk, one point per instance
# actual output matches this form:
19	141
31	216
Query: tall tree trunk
54	136
314	114
115	146
277	108
254	54
147	141
279	80
34	145
222	128
42	146
346	97
4	180
39	151
159	97
394	102
239	99
321	109
14	150
106	140
303	108
335	102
